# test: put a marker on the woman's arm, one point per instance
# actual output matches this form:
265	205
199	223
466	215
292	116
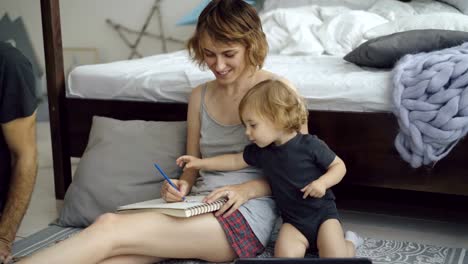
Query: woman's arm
193	132
188	177
256	188
238	194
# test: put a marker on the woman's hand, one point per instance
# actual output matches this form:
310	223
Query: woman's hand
189	162
236	195
315	189
169	194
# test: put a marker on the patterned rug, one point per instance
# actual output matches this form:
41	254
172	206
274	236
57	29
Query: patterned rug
380	251
391	251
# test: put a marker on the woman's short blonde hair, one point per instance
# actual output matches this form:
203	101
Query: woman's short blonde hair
230	21
275	101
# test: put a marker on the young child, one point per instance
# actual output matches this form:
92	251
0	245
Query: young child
300	169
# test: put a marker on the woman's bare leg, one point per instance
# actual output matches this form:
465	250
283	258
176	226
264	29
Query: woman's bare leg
331	242
145	234
134	259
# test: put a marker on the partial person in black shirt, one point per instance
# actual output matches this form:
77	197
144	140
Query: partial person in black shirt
18	151
300	169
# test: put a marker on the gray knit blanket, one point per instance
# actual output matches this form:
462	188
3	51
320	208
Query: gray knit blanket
431	104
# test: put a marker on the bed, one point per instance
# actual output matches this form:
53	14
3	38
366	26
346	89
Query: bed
356	121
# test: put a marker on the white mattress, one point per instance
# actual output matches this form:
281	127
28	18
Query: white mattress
326	82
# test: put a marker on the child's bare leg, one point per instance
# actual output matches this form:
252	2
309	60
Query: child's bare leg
331	242
354	239
291	243
351	249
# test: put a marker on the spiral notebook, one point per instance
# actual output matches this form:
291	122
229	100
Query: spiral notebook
192	206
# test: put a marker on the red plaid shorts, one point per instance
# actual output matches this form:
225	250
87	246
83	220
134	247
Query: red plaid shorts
240	235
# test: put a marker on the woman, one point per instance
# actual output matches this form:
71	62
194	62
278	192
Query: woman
229	41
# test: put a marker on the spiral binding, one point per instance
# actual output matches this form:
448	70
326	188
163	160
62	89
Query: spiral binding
206	208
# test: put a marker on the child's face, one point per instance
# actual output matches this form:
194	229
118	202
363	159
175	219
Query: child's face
260	131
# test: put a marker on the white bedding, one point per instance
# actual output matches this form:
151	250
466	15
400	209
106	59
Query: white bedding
306	47
324	27
327	82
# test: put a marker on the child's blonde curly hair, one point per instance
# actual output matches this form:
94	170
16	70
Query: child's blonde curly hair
275	101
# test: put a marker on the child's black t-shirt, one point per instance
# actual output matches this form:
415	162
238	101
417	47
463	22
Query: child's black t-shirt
289	168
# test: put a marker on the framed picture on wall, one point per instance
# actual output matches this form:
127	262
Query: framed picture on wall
77	56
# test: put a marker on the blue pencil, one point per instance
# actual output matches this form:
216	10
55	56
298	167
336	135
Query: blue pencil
167	178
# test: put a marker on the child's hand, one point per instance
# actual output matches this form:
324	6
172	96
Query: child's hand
315	189
189	162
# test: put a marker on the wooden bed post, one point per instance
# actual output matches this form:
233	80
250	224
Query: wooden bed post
56	94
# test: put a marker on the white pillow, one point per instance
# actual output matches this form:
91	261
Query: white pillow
302	42
289	31
447	21
341	34
391	9
328	12
269	5
276	35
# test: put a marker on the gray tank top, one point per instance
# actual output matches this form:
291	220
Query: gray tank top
217	139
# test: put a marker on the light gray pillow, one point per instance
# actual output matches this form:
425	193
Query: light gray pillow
117	167
461	5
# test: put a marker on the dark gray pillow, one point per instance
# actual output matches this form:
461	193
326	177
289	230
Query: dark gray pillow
117	167
461	5
384	51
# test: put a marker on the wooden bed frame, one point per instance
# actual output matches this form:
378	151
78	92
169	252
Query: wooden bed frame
363	140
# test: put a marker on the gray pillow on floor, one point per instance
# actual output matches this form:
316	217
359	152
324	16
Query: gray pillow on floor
117	167
385	51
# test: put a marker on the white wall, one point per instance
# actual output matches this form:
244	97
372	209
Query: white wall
83	24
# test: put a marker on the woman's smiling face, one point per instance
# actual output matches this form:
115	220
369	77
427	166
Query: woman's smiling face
226	60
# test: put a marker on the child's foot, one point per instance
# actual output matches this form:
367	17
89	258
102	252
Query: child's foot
354	238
